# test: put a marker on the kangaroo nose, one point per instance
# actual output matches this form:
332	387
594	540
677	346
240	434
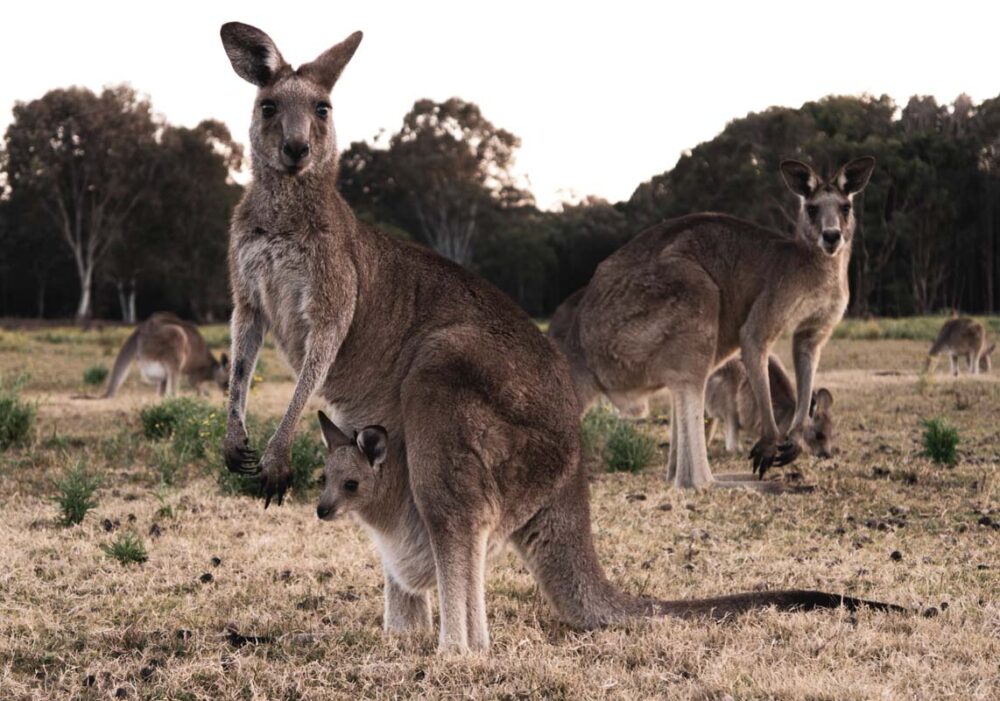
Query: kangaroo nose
295	150
831	236
322	511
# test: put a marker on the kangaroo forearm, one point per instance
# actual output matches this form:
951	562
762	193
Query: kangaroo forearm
805	349
248	337
321	352
755	360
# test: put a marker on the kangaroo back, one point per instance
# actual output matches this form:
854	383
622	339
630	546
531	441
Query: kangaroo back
123	363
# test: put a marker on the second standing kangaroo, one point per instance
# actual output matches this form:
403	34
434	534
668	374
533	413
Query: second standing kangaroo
684	296
481	430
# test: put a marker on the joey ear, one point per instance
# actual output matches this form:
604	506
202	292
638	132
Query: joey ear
373	442
254	56
822	399
332	436
327	67
854	176
799	177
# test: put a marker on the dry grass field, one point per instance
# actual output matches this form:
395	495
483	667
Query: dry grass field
238	603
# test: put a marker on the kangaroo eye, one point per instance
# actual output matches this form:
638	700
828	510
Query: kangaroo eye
812	210
351	486
267	109
845	209
820	436
322	110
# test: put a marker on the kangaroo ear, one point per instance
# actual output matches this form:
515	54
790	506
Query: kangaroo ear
332	436
373	441
254	56
854	176
822	399
799	177
327	67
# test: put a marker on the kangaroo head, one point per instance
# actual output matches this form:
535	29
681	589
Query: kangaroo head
292	128
826	208
351	468
220	372
819	430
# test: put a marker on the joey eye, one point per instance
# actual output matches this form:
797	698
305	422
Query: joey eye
351	486
845	209
268	109
322	110
812	210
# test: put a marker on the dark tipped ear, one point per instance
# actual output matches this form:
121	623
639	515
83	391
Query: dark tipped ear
854	176
373	442
328	66
332	436
799	177
823	399
254	56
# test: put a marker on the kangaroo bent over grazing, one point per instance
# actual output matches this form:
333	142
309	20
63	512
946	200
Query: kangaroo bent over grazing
728	398
962	336
481	433
684	296
166	347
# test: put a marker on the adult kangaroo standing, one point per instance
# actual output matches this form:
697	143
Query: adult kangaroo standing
477	406
681	298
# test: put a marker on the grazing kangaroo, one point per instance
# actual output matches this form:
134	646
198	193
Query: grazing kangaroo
166	347
728	398
685	295
481	428
961	336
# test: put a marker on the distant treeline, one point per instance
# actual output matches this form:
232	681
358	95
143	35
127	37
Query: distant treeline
109	211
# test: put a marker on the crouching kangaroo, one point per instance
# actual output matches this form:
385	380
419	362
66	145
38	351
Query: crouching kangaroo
556	543
961	336
684	296
165	347
728	398
481	441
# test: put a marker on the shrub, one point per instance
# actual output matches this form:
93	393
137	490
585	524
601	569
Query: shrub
162	420
628	449
127	548
95	375
75	494
940	442
597	425
17	417
195	427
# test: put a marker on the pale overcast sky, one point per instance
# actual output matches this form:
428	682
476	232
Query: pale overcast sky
603	95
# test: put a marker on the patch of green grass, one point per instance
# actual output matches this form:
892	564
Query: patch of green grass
17	417
940	442
596	427
127	549
195	428
95	375
168	463
75	494
914	328
628	448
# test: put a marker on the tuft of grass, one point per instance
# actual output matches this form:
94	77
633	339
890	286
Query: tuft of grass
195	428
127	549
628	448
940	442
95	375
75	494
596	427
17	417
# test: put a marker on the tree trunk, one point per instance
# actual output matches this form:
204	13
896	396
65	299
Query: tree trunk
131	303
84	310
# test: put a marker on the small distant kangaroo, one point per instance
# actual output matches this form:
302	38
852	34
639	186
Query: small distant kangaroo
480	438
961	336
684	296
166	347
728	398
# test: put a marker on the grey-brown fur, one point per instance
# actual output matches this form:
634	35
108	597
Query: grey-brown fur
962	337
729	399
482	440
165	347
684	296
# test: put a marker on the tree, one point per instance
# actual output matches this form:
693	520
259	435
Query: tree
87	160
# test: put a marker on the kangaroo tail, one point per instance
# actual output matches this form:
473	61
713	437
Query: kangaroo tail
558	548
123	363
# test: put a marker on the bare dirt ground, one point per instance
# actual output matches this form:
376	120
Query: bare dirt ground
76	624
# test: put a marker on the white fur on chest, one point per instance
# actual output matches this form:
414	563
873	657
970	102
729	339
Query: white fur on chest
408	559
152	372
